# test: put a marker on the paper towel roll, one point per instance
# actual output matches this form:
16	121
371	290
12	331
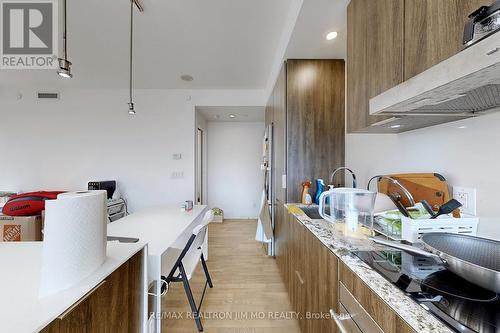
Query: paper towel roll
74	239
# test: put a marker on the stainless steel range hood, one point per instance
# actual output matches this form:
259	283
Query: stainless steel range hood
464	85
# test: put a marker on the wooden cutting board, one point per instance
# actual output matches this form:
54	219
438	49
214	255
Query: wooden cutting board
431	187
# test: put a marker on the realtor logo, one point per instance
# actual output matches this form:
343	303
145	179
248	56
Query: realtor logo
29	35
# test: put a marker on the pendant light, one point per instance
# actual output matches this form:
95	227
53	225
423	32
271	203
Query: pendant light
64	64
131	110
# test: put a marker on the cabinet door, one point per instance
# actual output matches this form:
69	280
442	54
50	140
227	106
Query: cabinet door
374	56
299	286
113	306
357	74
382	314
315	121
434	31
322	277
385	26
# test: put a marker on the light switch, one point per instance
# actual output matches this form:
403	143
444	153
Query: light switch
177	156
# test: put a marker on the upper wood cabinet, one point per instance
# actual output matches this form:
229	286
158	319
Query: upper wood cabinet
315	121
434	31
374	56
390	41
308	113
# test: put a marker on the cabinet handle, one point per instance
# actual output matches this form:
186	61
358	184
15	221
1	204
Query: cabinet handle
299	277
495	50
338	321
71	308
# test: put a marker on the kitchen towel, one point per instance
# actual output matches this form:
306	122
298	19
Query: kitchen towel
74	239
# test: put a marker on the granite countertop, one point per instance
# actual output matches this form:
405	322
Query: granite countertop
342	246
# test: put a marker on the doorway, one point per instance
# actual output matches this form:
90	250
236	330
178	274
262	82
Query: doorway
199	167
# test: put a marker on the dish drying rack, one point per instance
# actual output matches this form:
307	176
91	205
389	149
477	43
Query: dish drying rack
411	230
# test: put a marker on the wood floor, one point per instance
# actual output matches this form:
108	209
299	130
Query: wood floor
248	295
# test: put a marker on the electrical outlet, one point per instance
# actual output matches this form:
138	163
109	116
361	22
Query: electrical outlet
467	197
177	175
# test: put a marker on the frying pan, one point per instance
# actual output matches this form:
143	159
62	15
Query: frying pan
475	259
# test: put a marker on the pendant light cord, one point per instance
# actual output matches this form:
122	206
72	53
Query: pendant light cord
131	44
65	50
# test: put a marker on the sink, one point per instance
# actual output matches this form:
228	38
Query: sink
313	213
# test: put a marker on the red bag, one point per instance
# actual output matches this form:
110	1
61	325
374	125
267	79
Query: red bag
28	204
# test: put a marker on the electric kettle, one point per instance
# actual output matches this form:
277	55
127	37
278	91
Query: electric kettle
351	206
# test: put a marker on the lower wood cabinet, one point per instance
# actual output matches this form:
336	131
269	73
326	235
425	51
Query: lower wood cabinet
115	305
309	271
388	320
312	275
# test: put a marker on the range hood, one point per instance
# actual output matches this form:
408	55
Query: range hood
465	85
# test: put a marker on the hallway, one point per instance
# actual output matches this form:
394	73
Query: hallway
248	295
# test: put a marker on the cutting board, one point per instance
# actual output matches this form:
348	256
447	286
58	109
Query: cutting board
431	187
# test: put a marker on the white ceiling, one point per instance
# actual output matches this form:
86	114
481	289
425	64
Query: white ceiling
316	19
223	44
242	113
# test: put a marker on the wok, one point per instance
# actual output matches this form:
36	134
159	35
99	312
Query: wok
475	259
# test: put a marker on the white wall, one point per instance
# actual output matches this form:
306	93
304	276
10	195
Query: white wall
235	180
468	157
88	135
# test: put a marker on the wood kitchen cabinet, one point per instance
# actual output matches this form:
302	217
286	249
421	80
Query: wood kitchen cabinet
313	276
308	113
321	276
434	31
390	41
374	56
388	320
310	273
115	305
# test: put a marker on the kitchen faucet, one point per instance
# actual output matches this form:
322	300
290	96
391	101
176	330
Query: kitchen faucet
332	176
398	184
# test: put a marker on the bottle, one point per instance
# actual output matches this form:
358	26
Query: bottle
306	197
320	188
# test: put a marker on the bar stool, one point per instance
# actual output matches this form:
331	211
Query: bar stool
186	263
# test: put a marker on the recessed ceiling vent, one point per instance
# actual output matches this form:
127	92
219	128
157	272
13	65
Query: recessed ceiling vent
47	95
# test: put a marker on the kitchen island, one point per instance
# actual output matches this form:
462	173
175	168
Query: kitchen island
22	311
414	317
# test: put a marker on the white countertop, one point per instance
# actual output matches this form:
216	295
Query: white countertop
20	308
160	227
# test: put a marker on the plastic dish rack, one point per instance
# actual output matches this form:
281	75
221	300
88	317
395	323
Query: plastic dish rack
413	229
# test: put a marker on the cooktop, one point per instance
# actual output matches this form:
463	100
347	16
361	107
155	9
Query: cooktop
463	306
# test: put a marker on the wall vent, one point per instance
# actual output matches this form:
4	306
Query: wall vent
47	95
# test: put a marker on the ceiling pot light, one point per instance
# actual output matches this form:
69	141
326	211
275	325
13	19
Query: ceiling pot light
331	35
64	64
232	116
187	78
395	126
